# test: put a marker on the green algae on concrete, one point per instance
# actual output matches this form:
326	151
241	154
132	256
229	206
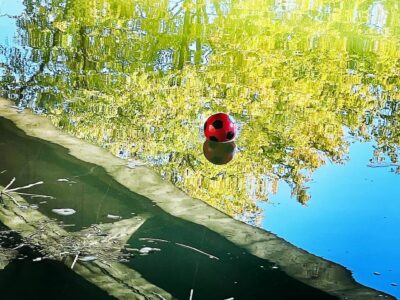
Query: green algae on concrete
6	256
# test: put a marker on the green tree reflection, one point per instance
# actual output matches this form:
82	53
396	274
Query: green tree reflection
139	78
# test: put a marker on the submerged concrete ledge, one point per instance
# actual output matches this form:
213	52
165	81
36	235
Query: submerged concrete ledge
297	263
115	278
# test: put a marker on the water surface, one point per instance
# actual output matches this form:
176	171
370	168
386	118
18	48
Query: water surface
176	269
314	86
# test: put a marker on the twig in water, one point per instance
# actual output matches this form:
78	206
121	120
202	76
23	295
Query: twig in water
74	262
19	246
191	294
11	197
36	195
197	250
182	245
7	191
25	187
8	185
158	296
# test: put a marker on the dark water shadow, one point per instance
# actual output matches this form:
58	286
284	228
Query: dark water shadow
51	280
25	279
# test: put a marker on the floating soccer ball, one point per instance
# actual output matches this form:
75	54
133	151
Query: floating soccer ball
220	128
219	153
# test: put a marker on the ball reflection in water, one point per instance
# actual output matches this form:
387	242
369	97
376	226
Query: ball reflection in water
219	153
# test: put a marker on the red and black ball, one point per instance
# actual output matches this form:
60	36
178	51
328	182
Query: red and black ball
220	127
219	153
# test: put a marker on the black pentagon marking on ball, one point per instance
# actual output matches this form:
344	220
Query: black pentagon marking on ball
230	135
213	138
218	124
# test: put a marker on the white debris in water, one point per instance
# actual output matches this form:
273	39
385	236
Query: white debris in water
65	180
64	211
37	259
131	249
153	240
147	250
114	217
88	258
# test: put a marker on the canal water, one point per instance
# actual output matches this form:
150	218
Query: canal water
94	195
313	86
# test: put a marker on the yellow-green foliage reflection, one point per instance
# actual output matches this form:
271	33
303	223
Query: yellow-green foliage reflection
140	77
